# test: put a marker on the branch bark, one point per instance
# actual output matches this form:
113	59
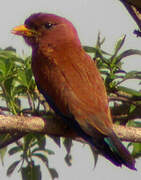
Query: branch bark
134	11
54	125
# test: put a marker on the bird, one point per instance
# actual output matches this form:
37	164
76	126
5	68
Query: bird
71	83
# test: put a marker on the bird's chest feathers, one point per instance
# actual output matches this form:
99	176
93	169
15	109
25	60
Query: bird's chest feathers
49	77
54	66
46	73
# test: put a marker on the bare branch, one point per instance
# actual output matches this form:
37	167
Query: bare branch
54	125
133	11
132	134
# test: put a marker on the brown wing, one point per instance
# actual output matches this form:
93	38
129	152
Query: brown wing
85	94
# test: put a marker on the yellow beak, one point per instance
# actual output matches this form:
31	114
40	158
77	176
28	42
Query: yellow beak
22	30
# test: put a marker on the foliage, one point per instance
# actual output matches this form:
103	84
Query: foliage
126	102
17	86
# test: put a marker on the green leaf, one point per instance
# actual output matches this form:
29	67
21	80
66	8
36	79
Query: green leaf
136	149
89	49
22	78
31	172
21	90
68	159
9	85
67	143
133	75
119	44
12	167
2	154
41	141
137	124
7	69
48	151
128	53
26	79
42	157
4	137
129	91
99	42
53	173
132	108
10	48
113	59
14	150
28	141
10	54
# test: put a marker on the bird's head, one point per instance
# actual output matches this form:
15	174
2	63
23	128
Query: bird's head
48	29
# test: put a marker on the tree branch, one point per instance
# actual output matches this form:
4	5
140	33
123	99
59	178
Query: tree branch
134	11
54	125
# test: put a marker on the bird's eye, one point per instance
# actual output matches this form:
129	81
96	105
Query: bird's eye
48	25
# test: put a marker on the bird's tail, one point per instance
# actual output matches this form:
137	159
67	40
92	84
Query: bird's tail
112	149
109	146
